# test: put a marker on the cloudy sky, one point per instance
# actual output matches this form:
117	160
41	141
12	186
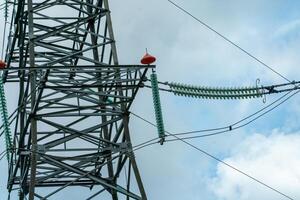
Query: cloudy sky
187	52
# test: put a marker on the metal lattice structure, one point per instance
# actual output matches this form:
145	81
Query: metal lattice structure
71	126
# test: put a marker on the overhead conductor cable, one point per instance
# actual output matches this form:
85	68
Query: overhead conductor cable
228	40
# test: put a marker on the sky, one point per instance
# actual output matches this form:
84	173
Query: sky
187	52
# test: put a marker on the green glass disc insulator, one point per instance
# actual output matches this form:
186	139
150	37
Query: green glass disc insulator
157	105
4	116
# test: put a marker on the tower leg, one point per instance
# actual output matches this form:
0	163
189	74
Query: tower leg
132	159
33	130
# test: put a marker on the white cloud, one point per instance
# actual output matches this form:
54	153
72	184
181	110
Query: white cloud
189	53
287	29
274	160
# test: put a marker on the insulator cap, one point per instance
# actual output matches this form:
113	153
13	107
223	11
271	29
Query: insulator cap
148	59
2	64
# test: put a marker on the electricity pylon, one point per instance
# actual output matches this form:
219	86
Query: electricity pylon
71	126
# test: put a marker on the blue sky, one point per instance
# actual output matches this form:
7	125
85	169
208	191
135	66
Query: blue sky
188	52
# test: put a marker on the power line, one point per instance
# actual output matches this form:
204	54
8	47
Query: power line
228	40
161	89
133	149
2	8
264	108
3	155
226	93
146	143
234	168
219	160
231	127
3	4
3	152
269	109
25	101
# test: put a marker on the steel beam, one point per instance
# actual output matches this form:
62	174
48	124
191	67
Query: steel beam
70	129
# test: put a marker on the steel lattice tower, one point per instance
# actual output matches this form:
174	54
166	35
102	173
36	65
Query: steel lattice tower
71	126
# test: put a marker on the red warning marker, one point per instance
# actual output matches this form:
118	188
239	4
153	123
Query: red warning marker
148	59
2	64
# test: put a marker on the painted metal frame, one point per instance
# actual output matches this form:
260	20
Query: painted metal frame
71	125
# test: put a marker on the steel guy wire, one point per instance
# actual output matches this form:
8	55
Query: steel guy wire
220	161
2	152
229	127
133	149
144	144
228	40
234	128
25	101
3	7
235	168
3	155
270	109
